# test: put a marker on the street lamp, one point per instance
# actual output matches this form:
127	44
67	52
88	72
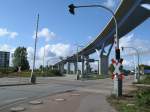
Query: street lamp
72	11
138	56
33	76
43	60
78	77
48	64
117	81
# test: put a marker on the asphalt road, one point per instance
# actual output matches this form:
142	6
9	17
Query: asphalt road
13	95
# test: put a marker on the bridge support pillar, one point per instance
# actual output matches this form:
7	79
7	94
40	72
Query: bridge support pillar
62	68
104	61
75	67
104	65
98	70
87	65
82	67
59	67
68	68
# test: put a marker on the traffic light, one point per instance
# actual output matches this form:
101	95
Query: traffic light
121	60
117	54
71	9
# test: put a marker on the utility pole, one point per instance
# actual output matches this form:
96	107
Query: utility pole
33	76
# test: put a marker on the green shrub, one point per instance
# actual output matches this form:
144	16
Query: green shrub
6	71
146	80
143	97
51	73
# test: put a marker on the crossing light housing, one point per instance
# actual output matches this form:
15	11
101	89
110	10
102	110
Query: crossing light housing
118	54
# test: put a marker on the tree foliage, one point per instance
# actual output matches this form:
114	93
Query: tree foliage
145	66
20	58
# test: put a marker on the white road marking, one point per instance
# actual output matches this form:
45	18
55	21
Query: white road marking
14	100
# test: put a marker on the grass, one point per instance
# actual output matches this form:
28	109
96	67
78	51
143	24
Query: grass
137	101
146	80
94	77
49	73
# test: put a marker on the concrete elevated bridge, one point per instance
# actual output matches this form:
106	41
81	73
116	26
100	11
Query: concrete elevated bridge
129	15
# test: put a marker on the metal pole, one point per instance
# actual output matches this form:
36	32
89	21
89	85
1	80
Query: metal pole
118	86
78	77
43	60
138	56
77	63
135	74
99	60
115	20
33	76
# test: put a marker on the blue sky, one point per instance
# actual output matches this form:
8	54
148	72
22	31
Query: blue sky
59	31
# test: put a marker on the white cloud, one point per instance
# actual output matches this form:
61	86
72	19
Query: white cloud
30	52
5	32
148	63
109	3
61	49
94	65
142	45
6	48
146	6
45	33
45	51
13	34
132	41
126	40
52	53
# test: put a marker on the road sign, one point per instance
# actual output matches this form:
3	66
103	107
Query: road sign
117	72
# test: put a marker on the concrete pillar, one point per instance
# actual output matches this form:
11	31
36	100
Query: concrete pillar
87	65
104	63
98	67
62	68
82	67
59	67
68	68
75	67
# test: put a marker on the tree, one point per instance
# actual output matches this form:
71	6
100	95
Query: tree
20	58
41	67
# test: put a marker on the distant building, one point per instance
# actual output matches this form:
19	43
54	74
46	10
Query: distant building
4	59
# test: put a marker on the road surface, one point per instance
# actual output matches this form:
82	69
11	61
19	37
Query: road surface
14	95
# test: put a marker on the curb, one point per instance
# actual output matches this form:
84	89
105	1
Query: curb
4	85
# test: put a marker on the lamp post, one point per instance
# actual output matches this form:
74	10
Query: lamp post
72	11
43	60
117	81
78	77
48	64
33	76
138	58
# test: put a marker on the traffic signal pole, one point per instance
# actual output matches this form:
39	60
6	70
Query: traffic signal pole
118	85
118	79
